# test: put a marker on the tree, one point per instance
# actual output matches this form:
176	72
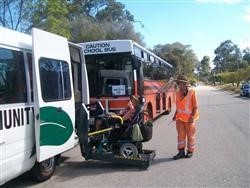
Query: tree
88	8
204	66
114	11
78	20
228	57
180	56
14	14
84	29
107	19
204	69
52	16
246	55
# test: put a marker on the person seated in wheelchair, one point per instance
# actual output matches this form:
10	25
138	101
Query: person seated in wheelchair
121	120
122	127
128	113
127	116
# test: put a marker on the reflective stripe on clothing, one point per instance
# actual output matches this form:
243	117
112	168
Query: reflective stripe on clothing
181	144
185	106
186	132
191	147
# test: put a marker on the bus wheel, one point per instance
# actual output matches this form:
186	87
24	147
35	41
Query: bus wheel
150	113
169	108
44	170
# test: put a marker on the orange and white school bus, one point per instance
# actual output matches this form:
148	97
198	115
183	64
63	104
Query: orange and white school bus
120	68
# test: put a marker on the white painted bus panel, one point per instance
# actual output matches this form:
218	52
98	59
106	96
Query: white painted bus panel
16	139
17	154
48	45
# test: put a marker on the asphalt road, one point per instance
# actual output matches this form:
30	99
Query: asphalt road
222	158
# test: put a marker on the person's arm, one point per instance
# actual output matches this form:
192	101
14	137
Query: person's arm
124	111
129	113
174	118
177	95
195	108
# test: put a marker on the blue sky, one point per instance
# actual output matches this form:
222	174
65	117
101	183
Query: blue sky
203	24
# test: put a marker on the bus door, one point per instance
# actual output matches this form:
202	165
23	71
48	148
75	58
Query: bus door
54	107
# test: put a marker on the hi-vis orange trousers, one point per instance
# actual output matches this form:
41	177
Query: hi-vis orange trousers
186	131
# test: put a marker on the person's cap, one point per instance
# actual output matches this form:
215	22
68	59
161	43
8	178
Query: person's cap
182	78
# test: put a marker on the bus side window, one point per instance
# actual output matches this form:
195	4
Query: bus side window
12	77
29	55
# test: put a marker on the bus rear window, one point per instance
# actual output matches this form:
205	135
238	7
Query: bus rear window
55	80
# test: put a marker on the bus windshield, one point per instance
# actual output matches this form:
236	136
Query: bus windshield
110	74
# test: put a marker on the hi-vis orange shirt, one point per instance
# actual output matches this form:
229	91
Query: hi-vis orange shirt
185	106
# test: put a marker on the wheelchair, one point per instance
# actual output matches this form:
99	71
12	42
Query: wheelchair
115	142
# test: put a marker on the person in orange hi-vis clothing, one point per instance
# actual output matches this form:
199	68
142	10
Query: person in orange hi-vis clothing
185	116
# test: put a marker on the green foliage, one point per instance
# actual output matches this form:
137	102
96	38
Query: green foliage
100	20
83	29
114	12
88	20
180	56
234	77
78	20
204	69
246	56
228	57
57	20
192	81
229	62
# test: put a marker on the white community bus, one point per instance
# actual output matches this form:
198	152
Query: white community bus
120	68
43	83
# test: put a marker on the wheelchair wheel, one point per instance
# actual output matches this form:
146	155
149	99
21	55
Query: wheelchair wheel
128	150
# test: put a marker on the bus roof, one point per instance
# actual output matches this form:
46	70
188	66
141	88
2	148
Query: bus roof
152	54
15	39
118	46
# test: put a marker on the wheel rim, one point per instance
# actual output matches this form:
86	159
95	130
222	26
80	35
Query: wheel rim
128	150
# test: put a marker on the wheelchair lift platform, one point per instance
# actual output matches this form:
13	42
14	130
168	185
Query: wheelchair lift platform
143	160
109	143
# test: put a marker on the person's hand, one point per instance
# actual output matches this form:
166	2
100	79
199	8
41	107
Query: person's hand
120	112
191	120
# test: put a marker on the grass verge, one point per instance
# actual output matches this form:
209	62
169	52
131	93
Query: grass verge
229	87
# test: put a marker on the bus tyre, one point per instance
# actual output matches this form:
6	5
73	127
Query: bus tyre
166	112
44	170
150	113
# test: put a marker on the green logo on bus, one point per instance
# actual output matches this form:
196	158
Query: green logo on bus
55	126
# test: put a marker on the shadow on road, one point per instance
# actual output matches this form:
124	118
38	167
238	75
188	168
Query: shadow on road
162	160
240	97
21	181
68	170
74	169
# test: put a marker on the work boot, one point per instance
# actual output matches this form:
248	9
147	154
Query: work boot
189	154
179	155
